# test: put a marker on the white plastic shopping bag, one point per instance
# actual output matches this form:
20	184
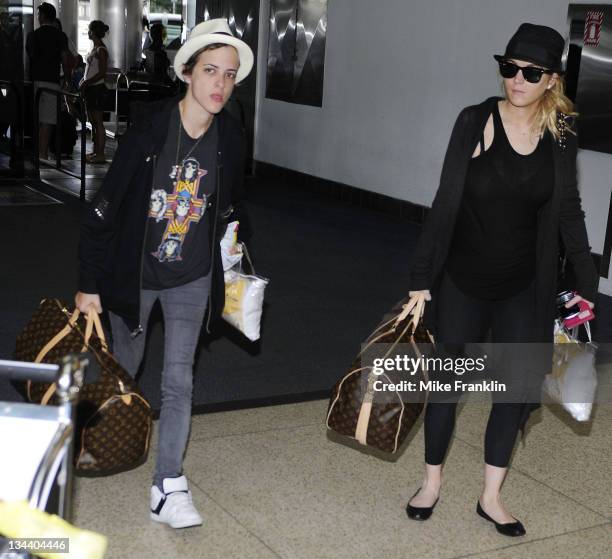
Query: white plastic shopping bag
244	293
244	296
573	380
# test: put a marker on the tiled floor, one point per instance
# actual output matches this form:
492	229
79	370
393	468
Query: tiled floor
272	483
21	194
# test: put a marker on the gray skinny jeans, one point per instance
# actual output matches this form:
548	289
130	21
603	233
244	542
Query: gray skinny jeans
183	309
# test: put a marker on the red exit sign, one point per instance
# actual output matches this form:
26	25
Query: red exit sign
592	28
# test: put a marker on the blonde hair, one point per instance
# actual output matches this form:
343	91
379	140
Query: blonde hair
554	106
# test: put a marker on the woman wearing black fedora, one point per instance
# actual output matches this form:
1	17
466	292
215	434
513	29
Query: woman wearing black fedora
153	232
487	256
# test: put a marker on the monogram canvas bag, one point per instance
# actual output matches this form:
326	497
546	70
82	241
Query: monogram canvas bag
113	417
381	420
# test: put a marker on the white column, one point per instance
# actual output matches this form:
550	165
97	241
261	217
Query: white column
124	39
68	14
189	13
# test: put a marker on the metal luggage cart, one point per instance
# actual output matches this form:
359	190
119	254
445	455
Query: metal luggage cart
37	441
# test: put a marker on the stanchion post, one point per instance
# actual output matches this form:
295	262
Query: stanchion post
13	97
35	134
83	118
58	131
69	383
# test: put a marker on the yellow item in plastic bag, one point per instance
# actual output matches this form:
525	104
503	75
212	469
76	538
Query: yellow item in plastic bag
234	293
244	296
19	521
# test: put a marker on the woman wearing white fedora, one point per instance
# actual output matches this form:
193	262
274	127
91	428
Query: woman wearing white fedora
194	151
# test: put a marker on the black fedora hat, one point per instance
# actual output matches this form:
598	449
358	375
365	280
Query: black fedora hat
537	44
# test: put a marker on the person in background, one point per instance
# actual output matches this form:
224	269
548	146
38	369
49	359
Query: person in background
176	43
146	34
47	49
78	73
66	80
94	89
9	58
156	60
488	254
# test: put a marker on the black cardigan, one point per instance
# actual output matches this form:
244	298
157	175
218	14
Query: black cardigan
561	214
113	225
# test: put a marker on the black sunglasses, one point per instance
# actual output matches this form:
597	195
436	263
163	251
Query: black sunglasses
531	73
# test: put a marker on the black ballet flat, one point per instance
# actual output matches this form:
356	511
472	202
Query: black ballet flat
420	513
512	529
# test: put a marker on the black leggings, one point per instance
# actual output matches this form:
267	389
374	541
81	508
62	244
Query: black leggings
462	319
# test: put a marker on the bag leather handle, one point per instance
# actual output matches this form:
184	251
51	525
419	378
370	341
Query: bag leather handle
94	318
58	337
419	309
416	302
48	395
412	302
89	326
93	322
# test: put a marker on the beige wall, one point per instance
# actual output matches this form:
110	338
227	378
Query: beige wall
397	72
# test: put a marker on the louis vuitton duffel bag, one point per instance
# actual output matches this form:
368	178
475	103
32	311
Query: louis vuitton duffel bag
113	417
381	420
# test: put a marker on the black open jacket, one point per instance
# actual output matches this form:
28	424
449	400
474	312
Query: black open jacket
561	215
113	226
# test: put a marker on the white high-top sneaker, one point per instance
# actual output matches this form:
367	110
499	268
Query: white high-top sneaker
174	506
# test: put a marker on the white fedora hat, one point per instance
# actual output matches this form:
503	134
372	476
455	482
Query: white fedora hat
207	33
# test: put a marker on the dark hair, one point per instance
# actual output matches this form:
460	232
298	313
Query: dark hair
193	59
47	11
98	28
157	34
57	23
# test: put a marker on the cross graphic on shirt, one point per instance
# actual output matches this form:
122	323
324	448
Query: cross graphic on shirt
184	207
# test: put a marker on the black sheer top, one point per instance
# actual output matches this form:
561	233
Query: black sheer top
493	250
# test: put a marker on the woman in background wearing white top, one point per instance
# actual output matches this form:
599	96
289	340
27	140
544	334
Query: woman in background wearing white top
94	90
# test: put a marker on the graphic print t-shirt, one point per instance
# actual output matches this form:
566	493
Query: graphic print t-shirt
177	245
